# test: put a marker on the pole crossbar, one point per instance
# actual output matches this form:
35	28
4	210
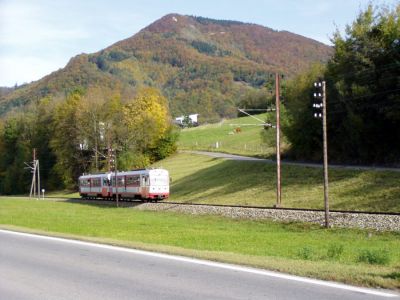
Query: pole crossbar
256	109
264	124
246	113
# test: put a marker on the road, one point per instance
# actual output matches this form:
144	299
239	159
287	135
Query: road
285	162
37	267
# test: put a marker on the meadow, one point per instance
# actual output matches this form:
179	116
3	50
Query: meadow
237	136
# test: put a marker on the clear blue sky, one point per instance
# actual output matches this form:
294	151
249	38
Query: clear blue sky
38	37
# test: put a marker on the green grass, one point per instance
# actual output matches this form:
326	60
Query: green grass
301	249
247	142
202	179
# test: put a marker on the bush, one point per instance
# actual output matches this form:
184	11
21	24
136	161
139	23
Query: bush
335	251
374	257
305	253
166	145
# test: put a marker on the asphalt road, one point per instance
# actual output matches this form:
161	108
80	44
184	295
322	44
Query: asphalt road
35	267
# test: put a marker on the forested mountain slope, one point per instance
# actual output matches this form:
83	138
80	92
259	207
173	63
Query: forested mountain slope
201	65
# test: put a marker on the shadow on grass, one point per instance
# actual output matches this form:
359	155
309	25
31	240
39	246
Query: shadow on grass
230	177
105	203
379	191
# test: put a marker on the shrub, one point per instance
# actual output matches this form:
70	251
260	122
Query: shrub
374	257
335	251
305	253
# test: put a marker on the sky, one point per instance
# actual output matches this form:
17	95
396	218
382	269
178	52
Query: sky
38	37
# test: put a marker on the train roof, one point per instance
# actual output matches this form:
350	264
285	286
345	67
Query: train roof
123	173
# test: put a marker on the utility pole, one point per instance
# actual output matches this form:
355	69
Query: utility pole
96	156
35	185
38	176
113	165
278	135
116	178
278	142
320	107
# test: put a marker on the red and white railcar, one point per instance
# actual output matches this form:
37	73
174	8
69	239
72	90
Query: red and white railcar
147	184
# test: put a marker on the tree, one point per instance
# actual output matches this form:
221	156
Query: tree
146	118
66	139
302	129
15	150
363	100
364	85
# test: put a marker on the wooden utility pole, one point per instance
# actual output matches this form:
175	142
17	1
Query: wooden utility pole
278	136
325	138
116	178
320	112
96	156
35	185
278	142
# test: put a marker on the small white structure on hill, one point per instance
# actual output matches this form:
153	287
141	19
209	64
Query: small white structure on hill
188	120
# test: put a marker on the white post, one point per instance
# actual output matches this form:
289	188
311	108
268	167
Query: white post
38	174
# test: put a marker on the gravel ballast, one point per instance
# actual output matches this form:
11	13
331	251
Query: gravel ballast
380	222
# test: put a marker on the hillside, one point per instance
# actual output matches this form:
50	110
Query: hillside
201	65
235	136
204	179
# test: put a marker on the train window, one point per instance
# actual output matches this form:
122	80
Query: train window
85	182
159	181
145	181
121	181
96	182
133	180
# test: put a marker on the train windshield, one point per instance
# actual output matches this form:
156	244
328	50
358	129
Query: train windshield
159	180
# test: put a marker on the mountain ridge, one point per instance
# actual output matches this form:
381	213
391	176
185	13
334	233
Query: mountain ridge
201	65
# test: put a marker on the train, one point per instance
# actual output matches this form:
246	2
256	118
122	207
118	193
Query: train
144	184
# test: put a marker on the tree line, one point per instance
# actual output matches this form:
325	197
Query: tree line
363	95
72	135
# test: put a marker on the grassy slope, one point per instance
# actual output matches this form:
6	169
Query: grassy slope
202	179
295	248
247	142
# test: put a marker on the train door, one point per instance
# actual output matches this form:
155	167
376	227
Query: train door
105	188
144	186
121	184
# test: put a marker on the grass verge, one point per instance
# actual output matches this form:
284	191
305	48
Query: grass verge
297	248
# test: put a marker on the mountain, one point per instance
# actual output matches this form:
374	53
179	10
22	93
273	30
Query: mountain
201	65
